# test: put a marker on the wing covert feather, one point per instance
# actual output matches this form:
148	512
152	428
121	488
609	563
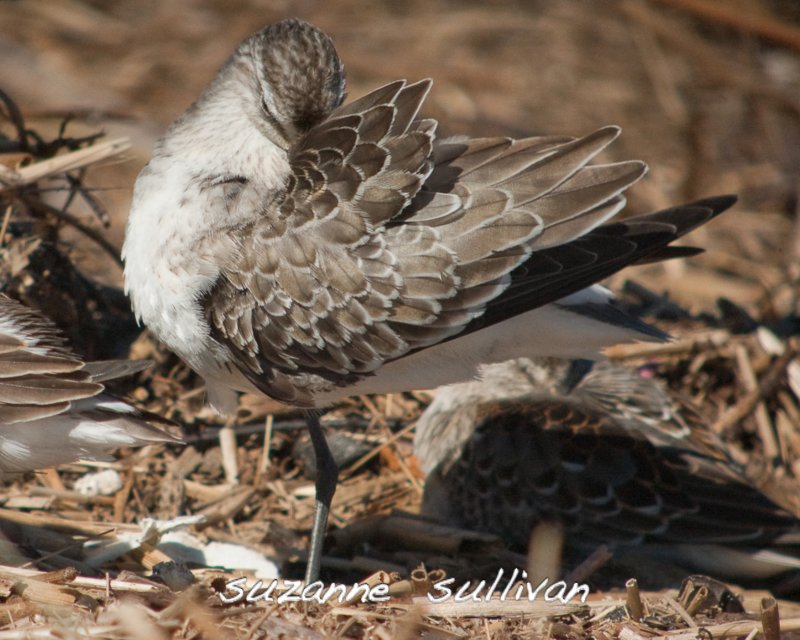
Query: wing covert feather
386	241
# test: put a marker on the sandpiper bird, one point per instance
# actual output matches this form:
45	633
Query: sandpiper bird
53	405
283	243
610	456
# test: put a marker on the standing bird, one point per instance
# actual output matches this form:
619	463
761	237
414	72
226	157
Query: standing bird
610	456
53	405
281	242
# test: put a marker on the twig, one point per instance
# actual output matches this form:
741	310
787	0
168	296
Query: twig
634	600
681	611
545	551
770	619
285	425
702	340
228	450
62	163
749	402
59	552
510	607
728	629
72	496
16	118
739	18
90	233
90	583
56	523
4	228
375	451
766	431
592	563
263	464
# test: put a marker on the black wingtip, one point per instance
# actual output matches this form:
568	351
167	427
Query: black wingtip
685	218
553	273
670	252
717	204
710	207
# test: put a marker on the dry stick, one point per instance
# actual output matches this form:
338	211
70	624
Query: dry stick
227	447
70	527
63	163
789	435
737	17
770	619
59	552
545	551
766	430
371	454
90	233
4	228
74	160
750	401
141	586
706	340
256	625
727	630
72	496
634	600
626	633
14	115
696	600
407	533
121	498
283	425
678	607
263	464
50	478
592	563
402	463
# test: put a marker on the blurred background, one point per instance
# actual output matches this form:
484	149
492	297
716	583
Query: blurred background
707	93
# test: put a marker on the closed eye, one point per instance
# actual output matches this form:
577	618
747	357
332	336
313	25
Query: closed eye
218	180
266	109
280	129
231	186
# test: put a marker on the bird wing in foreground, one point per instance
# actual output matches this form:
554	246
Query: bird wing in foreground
53	408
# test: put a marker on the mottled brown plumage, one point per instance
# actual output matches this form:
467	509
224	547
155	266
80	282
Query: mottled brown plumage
283	242
307	76
386	240
615	460
53	408
338	239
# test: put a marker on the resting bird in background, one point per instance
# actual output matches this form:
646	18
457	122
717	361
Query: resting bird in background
612	458
282	243
53	406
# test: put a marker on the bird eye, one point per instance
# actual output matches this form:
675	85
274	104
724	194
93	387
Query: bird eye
231	186
218	180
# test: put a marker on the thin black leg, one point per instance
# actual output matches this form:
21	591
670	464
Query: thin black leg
327	477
